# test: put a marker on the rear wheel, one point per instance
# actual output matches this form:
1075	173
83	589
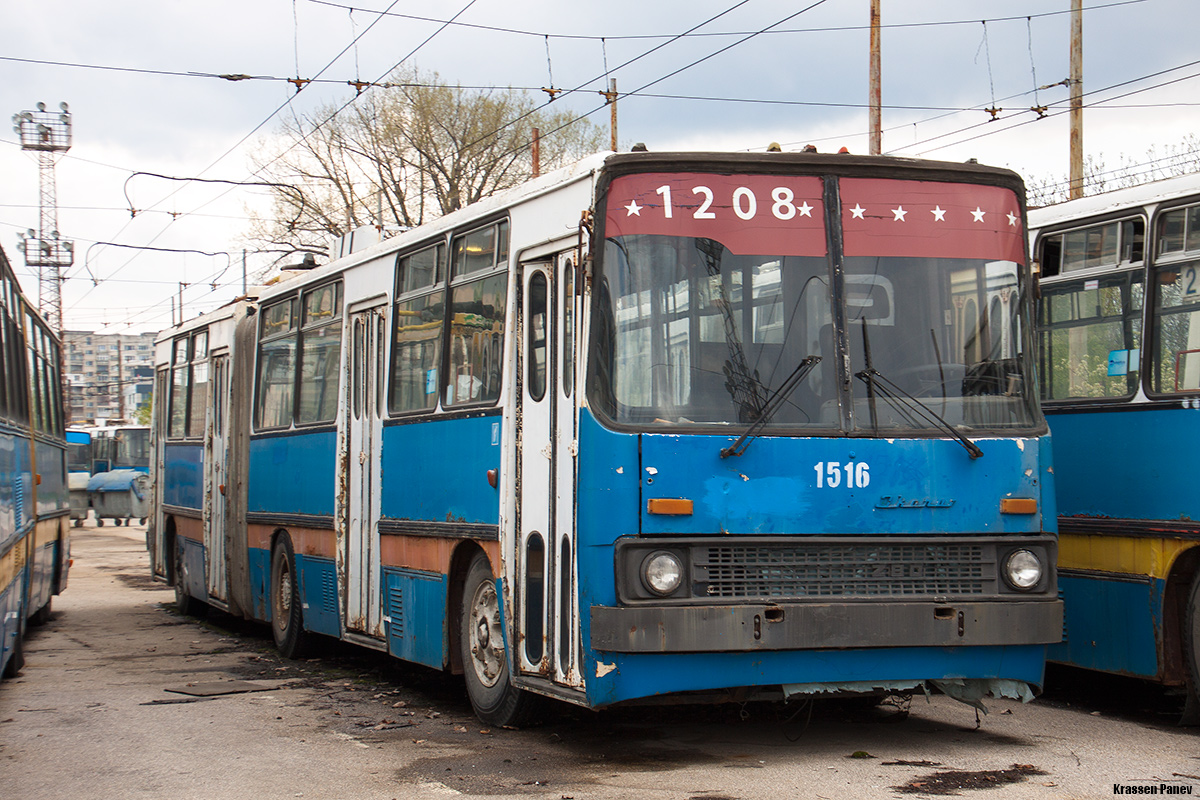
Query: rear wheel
16	659
485	661
42	615
184	602
287	618
1191	654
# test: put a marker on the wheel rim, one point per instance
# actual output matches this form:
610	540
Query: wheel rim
487	640
283	596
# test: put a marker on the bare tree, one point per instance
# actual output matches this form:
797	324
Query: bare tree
1156	164
404	155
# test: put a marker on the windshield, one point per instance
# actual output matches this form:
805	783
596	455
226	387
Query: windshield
702	320
133	447
79	456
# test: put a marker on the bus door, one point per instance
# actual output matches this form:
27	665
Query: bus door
547	620
158	471
216	452
360	567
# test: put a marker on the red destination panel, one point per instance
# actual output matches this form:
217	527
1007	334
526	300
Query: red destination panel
749	214
931	220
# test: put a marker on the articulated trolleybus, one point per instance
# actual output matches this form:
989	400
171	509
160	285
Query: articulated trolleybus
1120	368
34	506
713	426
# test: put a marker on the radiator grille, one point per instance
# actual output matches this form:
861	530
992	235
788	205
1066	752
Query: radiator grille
840	570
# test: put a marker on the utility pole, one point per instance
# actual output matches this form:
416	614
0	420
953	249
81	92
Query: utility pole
120	380
537	152
47	134
876	143
1076	99
611	97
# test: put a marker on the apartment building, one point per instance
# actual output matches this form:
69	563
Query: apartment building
108	376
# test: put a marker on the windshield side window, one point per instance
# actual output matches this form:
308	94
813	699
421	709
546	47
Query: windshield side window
478	299
198	385
276	365
1176	348
180	356
417	341
320	354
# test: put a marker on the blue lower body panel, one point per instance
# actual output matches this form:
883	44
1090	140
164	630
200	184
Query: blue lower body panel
11	619
318	594
260	581
317	582
414	605
194	557
1111	624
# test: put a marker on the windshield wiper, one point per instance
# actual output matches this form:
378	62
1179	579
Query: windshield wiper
772	405
878	384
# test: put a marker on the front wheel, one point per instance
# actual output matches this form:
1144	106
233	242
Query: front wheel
485	662
287	618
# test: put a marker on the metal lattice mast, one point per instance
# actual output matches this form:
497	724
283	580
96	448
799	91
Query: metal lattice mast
47	133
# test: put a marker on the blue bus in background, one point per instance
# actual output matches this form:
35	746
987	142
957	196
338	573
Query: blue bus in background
1120	376
34	509
656	426
79	472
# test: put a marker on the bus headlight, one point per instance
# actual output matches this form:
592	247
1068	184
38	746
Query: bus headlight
1023	569
662	573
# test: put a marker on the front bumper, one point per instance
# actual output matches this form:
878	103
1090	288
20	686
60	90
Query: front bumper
809	626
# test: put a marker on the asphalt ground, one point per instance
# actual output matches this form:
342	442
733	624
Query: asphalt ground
122	697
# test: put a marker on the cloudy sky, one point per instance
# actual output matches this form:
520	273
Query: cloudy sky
140	79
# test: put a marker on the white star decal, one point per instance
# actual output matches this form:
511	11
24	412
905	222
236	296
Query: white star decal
633	209
978	214
805	210
857	212
898	214
939	213
1012	220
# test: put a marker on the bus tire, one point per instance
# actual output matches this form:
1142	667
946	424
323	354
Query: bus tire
184	602
16	659
1191	654
485	662
287	617
42	615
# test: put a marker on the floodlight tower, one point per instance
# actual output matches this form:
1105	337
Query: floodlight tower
47	133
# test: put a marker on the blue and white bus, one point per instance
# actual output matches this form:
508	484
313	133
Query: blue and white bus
1120	371
34	507
658	425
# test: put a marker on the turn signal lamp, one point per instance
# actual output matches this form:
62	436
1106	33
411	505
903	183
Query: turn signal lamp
673	506
1018	505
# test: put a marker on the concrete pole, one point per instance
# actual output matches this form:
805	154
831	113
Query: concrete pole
876	143
1076	99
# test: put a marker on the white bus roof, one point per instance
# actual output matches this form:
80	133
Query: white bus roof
1117	200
